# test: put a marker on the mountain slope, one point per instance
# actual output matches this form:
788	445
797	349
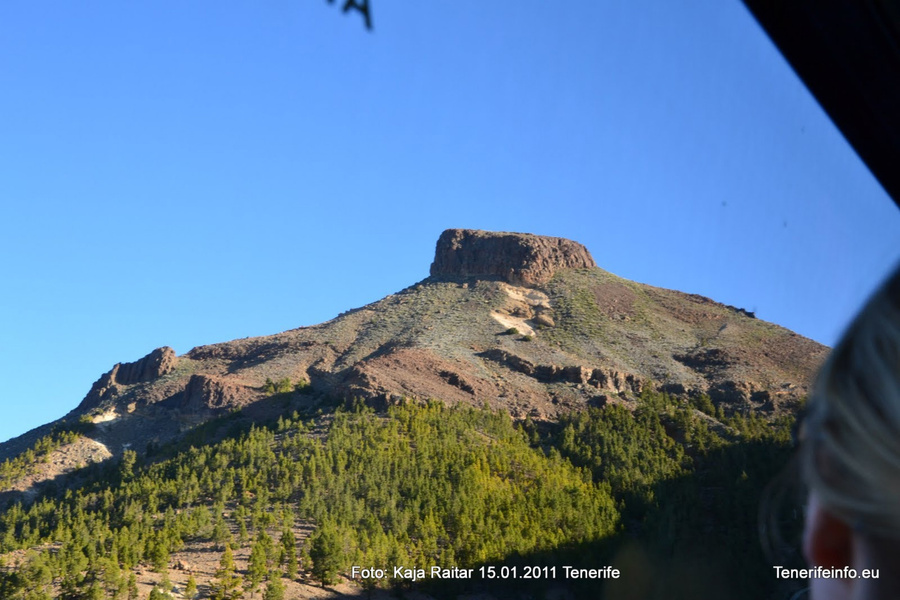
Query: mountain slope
647	423
514	321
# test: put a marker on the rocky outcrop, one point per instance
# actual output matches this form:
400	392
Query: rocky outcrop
457	381
740	394
156	364
209	392
706	361
517	258
103	388
604	379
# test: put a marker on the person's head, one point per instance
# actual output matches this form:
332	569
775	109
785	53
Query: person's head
850	454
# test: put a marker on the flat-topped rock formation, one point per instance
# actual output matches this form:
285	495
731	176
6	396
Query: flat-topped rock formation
517	258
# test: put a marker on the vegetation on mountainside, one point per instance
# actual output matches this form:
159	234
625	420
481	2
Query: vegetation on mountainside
415	486
689	494
24	464
284	386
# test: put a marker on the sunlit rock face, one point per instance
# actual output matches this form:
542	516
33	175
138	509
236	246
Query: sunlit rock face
517	258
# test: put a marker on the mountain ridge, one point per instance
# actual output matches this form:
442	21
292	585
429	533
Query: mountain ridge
521	322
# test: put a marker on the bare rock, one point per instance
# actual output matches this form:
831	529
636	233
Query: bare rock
731	392
210	392
707	361
517	258
103	388
511	361
457	381
398	371
544	319
156	364
614	381
182	565
605	379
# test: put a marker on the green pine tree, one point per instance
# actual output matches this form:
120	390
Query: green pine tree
275	588
289	553
256	569
325	552
132	587
228	583
190	589
157	594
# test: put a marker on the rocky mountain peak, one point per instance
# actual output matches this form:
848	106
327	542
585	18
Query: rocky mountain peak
517	258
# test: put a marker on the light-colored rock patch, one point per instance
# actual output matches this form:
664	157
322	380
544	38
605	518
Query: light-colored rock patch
530	297
109	415
510	321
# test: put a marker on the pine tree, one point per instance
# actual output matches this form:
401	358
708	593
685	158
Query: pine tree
126	466
159	556
132	587
256	570
275	588
95	592
228	584
157	594
289	553
221	534
190	589
325	552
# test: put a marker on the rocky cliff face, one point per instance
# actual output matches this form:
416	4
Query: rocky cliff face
205	392
516	258
156	364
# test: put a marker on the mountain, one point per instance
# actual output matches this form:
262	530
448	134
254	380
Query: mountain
515	321
519	408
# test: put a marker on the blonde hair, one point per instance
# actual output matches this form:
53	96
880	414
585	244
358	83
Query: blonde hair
850	454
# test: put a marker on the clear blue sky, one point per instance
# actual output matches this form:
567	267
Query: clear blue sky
182	173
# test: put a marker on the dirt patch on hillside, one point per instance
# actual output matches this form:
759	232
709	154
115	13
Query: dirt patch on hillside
614	299
691	309
417	373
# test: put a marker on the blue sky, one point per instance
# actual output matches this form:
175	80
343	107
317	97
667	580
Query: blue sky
186	173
